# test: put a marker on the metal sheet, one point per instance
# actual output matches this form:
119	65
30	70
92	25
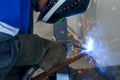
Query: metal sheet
61	76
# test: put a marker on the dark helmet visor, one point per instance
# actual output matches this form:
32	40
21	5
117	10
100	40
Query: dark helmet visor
55	10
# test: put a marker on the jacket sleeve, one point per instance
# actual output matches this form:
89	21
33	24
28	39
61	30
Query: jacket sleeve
8	53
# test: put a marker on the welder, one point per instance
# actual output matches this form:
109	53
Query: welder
19	47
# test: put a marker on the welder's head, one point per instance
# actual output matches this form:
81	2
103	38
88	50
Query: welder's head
54	11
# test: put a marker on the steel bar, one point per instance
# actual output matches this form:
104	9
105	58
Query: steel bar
57	68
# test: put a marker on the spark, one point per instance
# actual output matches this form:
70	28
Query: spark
89	45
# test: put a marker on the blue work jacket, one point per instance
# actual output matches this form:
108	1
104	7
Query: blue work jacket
16	15
15	18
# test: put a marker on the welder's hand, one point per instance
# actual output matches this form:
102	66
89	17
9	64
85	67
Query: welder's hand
36	50
55	55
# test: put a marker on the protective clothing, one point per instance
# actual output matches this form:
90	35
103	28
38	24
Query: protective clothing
14	16
8	53
14	19
36	50
56	10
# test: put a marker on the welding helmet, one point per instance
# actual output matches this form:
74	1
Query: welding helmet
55	11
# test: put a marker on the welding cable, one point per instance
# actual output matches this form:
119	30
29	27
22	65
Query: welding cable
30	72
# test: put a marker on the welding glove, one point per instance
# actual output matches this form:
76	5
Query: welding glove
36	50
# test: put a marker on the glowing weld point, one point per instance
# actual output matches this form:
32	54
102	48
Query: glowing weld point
89	45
